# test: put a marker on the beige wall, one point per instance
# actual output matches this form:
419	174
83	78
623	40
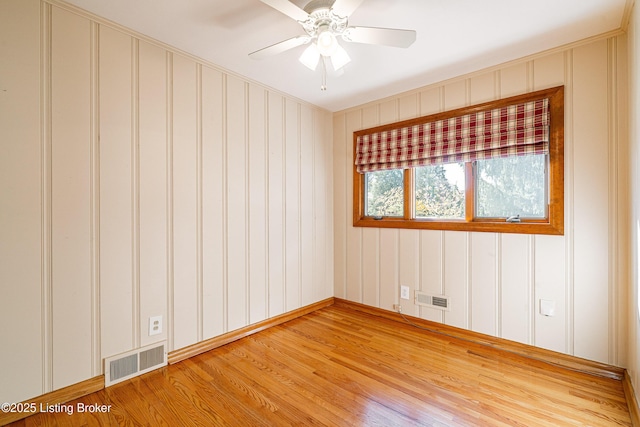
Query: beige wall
634	115
137	181
495	281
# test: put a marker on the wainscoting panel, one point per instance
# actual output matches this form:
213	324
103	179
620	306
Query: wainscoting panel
516	302
214	172
153	179
237	197
292	220
591	219
118	227
277	201
71	194
184	142
24	208
258	197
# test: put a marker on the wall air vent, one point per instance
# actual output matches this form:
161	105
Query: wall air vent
439	302
127	365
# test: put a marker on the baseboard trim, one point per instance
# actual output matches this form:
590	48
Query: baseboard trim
632	401
540	354
215	342
64	395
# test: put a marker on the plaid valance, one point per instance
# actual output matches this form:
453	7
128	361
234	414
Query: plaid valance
513	130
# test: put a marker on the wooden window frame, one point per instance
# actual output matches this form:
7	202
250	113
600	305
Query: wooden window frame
553	224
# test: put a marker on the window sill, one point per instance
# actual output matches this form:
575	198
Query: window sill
461	225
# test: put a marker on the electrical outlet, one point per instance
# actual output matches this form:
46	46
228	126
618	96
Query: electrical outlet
547	307
397	307
404	292
155	325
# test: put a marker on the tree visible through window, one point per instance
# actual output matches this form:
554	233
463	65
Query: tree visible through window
385	193
439	191
511	179
511	186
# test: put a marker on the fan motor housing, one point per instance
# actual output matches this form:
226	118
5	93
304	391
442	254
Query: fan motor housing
322	18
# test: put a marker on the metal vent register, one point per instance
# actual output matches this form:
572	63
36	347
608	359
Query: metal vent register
133	363
439	302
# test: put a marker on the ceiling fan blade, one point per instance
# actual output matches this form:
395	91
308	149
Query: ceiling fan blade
288	8
383	36
279	47
344	8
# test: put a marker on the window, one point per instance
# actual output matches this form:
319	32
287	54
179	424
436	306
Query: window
497	167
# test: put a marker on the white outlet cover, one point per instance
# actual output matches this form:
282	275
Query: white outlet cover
547	307
404	292
155	325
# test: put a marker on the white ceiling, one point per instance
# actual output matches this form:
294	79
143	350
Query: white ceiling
454	37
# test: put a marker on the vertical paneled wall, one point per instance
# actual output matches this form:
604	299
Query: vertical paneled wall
138	181
24	286
496	281
633	296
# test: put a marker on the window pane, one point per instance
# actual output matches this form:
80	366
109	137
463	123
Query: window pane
385	193
511	186
440	191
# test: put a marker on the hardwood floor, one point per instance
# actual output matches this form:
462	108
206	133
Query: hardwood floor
339	367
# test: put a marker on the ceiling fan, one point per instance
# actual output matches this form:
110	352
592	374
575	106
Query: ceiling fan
324	21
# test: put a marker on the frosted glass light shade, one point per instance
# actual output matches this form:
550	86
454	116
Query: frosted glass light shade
310	57
340	58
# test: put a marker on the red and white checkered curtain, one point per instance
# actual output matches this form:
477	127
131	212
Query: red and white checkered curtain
509	131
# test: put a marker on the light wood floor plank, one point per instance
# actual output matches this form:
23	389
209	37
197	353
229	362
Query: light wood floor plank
340	366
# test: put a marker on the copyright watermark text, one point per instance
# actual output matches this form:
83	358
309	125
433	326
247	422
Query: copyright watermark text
58	408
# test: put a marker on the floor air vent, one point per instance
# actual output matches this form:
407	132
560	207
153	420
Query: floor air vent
133	363
440	302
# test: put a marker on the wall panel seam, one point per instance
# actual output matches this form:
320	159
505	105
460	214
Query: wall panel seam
497	94
199	207
468	280
135	190
225	202
378	236
283	106
613	252
443	286
348	170
569	204
46	194
313	219
360	234
96	351
247	211
531	287
299	178
267	185
498	294
169	192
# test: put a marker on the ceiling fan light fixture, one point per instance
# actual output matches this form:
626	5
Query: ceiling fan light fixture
327	43
340	58
310	57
